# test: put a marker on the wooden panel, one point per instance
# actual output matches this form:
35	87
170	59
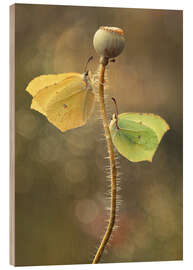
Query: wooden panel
12	134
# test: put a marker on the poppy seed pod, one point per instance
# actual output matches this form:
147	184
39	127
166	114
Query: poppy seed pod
109	41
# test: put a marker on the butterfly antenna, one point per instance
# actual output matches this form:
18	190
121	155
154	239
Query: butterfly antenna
89	59
116	112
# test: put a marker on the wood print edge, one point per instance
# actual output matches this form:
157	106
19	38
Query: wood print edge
12	136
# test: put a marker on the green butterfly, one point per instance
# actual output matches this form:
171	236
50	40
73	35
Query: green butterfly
136	136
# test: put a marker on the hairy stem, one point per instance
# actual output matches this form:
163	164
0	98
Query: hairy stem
113	170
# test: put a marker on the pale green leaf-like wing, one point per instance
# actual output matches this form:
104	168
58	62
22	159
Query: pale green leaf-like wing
138	135
153	121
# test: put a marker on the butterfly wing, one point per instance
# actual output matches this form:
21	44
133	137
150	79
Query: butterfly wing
64	99
44	96
44	81
67	113
88	104
70	111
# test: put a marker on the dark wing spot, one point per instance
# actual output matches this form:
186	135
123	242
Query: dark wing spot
65	106
139	137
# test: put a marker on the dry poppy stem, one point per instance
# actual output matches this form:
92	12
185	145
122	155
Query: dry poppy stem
113	170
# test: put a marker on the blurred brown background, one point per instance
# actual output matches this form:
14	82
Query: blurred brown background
61	190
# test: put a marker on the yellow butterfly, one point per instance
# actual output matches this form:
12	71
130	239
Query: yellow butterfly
67	100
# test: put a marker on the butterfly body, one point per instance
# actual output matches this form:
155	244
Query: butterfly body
67	100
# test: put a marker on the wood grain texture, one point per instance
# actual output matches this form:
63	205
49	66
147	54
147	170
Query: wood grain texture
12	135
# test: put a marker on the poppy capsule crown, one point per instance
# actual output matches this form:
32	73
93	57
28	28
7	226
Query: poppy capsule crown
109	41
